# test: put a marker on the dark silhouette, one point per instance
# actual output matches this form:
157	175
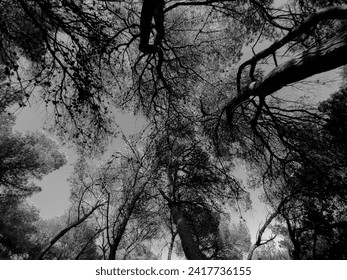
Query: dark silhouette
150	9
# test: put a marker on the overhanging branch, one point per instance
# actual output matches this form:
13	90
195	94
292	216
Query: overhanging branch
327	56
336	12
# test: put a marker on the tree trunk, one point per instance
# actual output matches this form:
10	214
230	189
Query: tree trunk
334	12
190	248
121	229
113	250
295	254
327	56
118	238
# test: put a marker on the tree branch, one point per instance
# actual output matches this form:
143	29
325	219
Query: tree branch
327	56
65	230
264	227
336	12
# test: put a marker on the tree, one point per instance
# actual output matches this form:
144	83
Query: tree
310	202
259	242
17	229
25	158
55	239
212	108
192	185
235	239
66	240
271	252
315	219
86	29
127	220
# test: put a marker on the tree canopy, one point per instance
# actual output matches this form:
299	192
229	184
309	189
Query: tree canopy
24	159
225	82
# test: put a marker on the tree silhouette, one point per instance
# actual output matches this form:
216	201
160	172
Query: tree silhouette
216	90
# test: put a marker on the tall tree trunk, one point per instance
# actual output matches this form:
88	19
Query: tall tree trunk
296	253
113	250
190	248
114	246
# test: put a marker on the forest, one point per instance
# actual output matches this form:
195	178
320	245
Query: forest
219	84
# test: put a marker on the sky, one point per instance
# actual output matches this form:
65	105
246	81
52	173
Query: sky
53	200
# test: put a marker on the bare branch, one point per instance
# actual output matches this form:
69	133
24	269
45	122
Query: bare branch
65	230
263	228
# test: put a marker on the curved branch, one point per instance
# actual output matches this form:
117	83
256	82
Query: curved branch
264	227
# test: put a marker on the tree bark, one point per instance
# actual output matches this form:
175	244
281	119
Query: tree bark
327	56
190	248
334	12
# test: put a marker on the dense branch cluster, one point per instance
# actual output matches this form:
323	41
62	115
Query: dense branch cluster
220	85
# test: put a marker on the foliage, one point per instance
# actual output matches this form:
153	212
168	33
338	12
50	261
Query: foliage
271	252
25	158
235	240
314	211
17	229
78	243
19	33
205	107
